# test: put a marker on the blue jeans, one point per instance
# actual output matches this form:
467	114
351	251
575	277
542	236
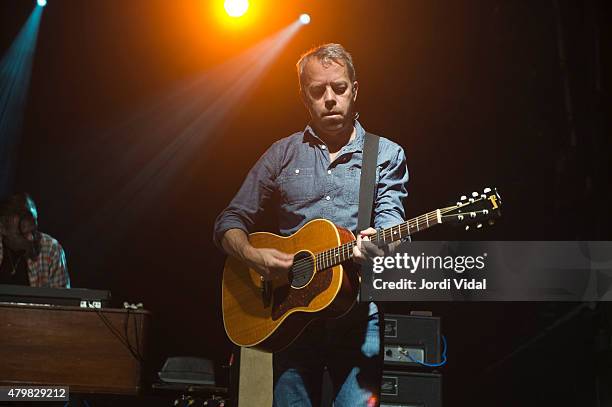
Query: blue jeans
349	347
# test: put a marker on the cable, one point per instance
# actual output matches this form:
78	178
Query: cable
114	331
442	363
136	348
140	355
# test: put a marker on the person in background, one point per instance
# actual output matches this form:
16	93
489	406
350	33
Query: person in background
27	256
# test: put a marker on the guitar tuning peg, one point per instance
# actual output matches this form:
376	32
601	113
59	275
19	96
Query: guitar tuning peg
483	196
459	203
471	200
475	194
467	227
463	198
472	215
460	217
485	211
487	190
479	226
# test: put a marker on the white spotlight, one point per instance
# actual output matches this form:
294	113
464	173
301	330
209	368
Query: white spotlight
41	3
236	8
304	19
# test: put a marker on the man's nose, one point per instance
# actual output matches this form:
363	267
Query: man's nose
329	97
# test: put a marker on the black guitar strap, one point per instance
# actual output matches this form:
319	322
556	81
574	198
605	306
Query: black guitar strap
367	184
368	181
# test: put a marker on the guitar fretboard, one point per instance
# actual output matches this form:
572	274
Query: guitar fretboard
337	255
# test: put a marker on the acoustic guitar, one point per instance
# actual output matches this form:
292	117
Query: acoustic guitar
322	283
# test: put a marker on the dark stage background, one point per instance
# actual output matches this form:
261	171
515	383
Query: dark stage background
473	90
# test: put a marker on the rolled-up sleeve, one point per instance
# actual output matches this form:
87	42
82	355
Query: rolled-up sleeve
248	204
391	191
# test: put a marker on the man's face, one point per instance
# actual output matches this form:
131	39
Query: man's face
329	96
21	234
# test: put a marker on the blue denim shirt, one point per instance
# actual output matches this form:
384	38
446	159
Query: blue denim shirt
298	172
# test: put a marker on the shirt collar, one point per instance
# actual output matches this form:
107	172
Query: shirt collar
355	145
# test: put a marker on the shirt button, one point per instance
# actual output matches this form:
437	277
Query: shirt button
329	172
323	147
327	198
297	171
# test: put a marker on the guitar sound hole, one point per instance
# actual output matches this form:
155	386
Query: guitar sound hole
302	270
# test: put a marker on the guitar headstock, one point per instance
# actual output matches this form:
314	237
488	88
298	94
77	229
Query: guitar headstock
477	209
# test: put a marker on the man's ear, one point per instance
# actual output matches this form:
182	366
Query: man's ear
355	89
303	97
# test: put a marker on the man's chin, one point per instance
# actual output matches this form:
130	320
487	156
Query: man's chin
333	127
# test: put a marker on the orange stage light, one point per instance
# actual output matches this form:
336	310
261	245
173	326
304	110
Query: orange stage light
236	14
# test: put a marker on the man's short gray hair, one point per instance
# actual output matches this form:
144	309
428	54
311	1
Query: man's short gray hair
327	53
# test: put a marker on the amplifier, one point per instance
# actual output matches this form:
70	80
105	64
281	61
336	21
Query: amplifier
410	338
408	389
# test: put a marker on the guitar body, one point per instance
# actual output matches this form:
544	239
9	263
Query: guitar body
271	322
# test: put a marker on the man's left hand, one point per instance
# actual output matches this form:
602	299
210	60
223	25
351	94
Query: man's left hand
363	252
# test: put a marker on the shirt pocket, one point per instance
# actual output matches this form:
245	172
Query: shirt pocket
297	185
351	183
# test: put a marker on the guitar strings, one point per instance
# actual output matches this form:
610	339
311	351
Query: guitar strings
303	266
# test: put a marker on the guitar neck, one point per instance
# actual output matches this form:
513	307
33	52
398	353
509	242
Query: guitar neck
340	254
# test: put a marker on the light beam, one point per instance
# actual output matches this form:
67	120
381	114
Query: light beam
15	73
155	147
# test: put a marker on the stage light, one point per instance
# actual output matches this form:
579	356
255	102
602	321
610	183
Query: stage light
236	8
41	3
304	19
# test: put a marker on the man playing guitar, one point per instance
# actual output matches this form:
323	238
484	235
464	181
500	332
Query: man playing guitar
315	173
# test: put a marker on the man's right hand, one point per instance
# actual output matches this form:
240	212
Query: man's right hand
270	263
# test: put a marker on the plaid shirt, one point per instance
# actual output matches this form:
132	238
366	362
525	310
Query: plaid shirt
48	269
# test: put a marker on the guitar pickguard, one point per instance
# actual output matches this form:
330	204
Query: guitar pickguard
286	298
